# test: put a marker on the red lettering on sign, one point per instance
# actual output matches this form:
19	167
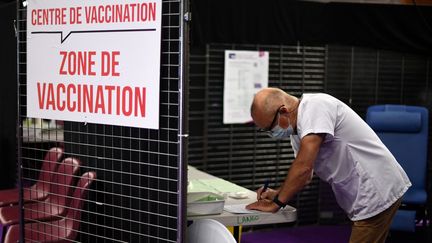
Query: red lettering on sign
77	63
98	99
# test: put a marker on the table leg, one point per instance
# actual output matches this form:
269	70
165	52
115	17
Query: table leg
236	232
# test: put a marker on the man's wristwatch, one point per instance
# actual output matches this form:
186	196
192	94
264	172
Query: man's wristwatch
279	203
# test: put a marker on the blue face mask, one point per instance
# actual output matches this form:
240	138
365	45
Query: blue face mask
279	132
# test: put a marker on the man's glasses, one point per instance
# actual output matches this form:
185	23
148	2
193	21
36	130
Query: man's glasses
268	129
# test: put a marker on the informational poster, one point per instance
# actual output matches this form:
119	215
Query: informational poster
246	72
94	61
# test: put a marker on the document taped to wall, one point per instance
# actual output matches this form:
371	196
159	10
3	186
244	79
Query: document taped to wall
246	72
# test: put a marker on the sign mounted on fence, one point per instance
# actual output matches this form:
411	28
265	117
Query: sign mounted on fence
94	61
245	73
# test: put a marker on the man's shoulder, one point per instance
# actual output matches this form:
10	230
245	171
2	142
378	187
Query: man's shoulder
319	95
319	99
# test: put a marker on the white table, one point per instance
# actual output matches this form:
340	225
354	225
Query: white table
285	215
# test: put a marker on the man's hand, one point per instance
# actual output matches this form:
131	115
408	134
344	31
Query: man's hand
268	194
264	205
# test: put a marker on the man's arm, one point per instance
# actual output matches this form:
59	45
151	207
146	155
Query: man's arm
299	175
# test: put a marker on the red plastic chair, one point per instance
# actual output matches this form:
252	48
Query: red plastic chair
39	190
53	207
58	231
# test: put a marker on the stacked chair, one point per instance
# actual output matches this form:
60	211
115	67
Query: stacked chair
39	190
53	202
64	229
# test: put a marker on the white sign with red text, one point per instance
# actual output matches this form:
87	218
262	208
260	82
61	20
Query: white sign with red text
94	61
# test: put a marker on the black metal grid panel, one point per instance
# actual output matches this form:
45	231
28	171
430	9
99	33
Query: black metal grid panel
137	193
363	76
237	152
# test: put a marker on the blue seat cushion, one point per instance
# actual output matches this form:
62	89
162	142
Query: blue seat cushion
404	220
415	196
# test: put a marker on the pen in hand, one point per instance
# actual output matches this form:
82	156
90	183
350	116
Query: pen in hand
266	183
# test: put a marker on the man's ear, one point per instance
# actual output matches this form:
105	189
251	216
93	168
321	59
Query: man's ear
283	110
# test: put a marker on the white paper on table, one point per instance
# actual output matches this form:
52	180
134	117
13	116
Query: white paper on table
238	209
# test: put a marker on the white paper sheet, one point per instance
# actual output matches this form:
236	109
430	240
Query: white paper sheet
238	209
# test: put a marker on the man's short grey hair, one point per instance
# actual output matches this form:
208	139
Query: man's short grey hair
273	98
